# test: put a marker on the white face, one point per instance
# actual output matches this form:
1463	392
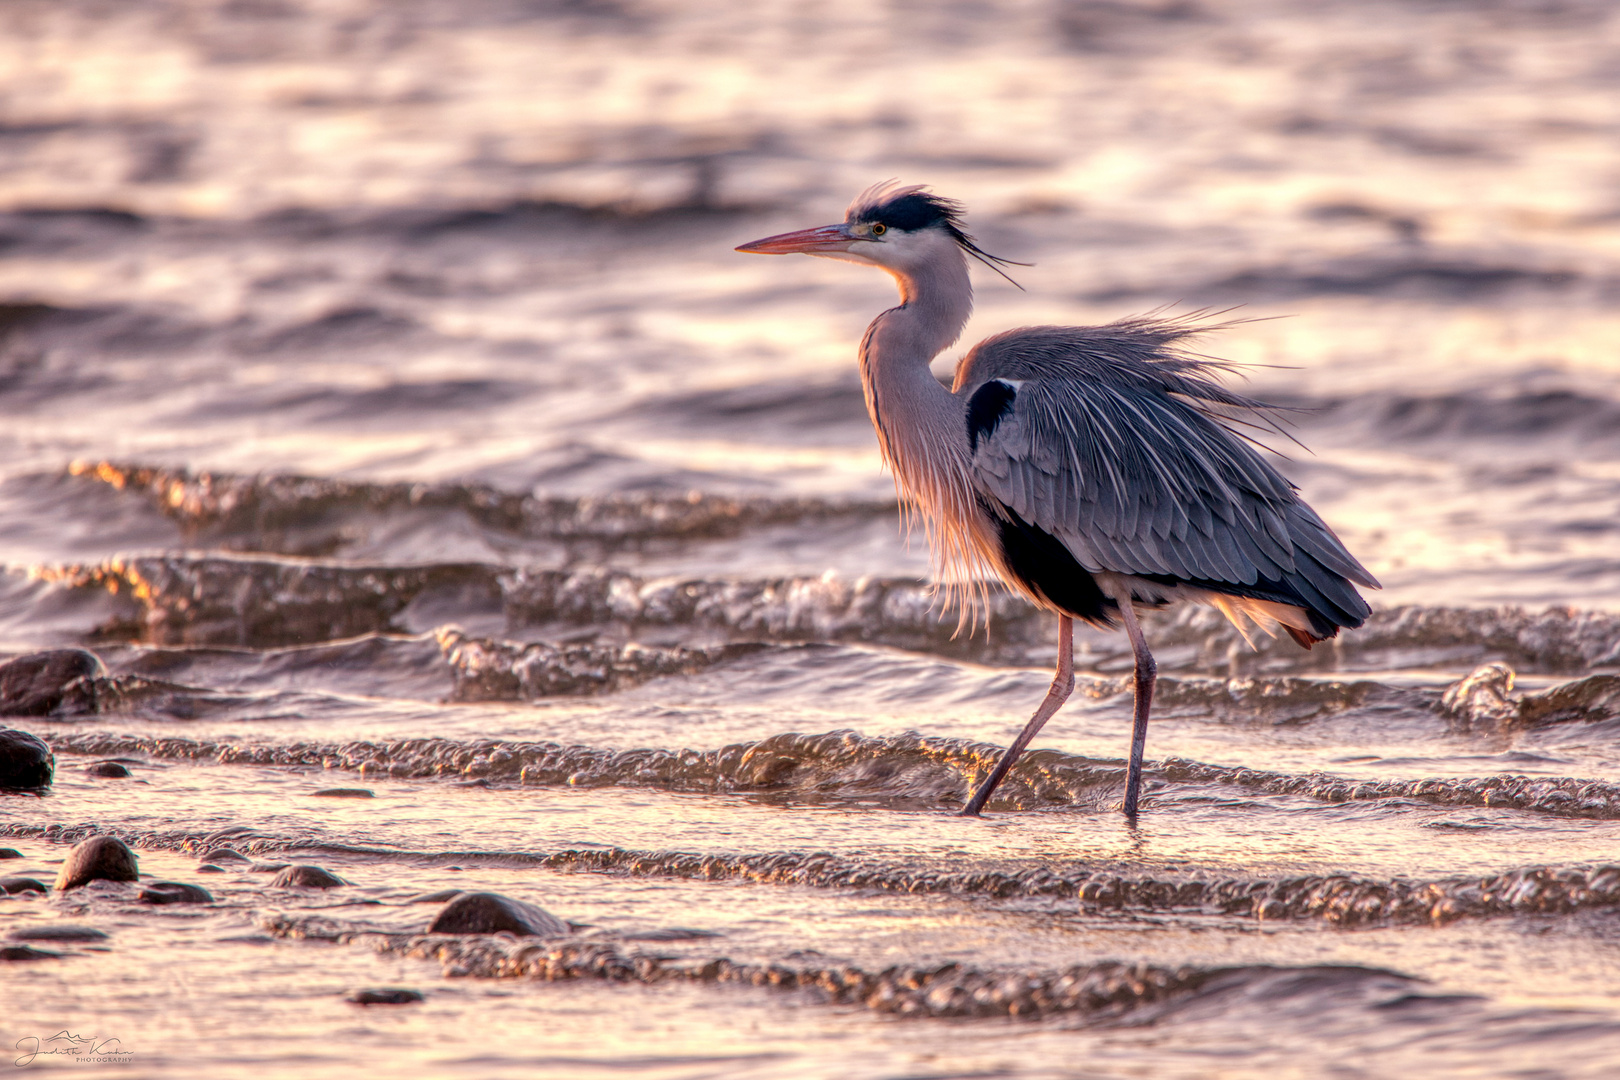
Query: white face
892	249
901	253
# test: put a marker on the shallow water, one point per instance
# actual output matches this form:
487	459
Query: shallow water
385	407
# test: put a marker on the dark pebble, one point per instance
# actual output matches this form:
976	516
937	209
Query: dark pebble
58	932
175	892
345	793
210	868
42	683
10	853
101	857
25	952
490	913
388	996
304	876
13	885
436	897
109	769
25	761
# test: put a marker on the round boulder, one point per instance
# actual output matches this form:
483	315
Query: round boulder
304	876
112	770
14	885
104	858
223	854
25	761
175	892
42	683
491	913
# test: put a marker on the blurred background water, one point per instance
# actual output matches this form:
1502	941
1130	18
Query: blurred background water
383	404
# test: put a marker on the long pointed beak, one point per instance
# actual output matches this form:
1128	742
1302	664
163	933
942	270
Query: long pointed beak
808	241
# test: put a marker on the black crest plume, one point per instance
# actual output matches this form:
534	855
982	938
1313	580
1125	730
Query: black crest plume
912	207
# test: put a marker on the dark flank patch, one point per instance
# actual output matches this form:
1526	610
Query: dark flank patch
986	407
1326	617
1041	562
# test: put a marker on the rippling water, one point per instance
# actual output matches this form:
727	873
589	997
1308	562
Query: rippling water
385	408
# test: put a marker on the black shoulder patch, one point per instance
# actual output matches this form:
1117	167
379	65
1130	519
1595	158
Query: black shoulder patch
986	407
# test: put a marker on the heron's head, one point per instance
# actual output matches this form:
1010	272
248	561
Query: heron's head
899	229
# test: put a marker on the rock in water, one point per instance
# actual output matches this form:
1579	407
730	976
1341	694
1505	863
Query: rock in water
10	853
25	952
25	761
304	876
390	995
490	913
175	892
435	897
41	683
109	769
1484	697
11	886
101	857
345	793
223	854
59	932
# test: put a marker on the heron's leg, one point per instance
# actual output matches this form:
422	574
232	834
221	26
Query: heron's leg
1146	673
1062	687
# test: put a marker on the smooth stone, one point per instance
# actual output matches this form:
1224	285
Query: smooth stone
386	996
225	854
304	876
66	932
106	858
436	897
25	952
491	913
35	685
345	793
175	892
10	853
210	868
25	761
14	885
110	769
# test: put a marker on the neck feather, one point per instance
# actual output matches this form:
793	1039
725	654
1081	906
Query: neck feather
921	426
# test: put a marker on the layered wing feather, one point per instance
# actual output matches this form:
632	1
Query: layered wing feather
1118	445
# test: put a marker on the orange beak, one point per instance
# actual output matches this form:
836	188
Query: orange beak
805	241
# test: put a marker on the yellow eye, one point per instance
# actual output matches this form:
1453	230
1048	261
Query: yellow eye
879	229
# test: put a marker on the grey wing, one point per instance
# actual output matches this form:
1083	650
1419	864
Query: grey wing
1133	479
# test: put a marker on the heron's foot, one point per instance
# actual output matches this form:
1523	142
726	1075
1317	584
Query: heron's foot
968	812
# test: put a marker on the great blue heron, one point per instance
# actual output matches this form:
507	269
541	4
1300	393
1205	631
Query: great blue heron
1093	468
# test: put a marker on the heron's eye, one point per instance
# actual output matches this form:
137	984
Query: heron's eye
879	229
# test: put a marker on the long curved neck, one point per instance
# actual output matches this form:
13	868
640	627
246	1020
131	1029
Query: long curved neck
921	426
907	404
935	302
